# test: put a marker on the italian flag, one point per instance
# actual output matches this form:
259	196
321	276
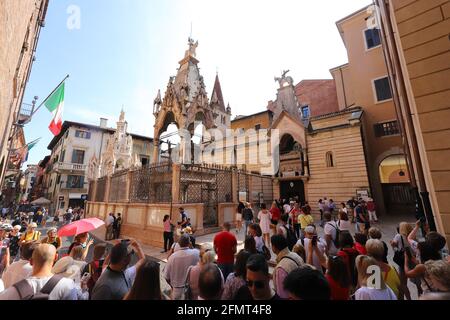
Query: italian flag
55	104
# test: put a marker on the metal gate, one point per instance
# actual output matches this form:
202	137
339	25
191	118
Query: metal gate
207	184
399	198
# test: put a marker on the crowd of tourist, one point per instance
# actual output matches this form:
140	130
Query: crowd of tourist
283	257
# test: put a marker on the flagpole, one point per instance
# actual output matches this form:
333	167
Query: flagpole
49	95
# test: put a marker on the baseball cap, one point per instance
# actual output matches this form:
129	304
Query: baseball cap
17	227
33	225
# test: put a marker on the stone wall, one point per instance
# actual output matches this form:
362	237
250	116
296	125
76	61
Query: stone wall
349	172
19	31
144	222
422	29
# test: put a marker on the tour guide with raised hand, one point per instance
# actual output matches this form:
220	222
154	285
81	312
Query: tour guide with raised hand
117	279
42	284
31	234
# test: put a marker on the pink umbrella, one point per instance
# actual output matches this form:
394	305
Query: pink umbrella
80	226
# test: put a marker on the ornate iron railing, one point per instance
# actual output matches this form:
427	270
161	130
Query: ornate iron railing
101	189
207	184
152	184
117	188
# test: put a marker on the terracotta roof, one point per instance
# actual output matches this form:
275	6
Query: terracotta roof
237	118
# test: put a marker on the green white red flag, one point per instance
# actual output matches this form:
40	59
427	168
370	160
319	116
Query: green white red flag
55	104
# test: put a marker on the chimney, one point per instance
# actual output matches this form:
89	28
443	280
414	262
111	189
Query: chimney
103	122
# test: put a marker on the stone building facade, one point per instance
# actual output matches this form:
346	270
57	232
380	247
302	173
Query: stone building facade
364	81
72	153
417	49
20	25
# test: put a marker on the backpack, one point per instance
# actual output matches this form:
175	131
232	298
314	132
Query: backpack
338	232
291	237
95	272
26	292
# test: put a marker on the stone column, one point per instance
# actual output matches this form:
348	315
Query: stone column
155	151
176	172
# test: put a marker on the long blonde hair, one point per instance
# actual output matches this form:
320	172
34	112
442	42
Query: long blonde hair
362	264
405	228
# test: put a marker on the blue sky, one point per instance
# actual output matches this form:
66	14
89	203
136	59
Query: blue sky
125	50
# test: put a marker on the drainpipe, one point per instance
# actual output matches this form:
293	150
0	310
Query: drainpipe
395	72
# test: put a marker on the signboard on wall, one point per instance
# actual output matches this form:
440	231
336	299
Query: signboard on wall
243	196
362	193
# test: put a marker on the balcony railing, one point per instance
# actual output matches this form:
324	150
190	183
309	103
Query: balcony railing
26	111
69	166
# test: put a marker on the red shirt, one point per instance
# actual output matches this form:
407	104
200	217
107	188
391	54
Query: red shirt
360	248
276	214
224	243
337	292
371	206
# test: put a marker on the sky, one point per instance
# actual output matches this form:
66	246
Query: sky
120	52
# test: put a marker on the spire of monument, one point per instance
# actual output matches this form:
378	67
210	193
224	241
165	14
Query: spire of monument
217	96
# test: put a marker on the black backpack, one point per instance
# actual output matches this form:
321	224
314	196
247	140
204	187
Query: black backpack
26	292
291	237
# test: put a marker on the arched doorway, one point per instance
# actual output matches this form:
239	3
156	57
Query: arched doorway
395	182
291	169
168	133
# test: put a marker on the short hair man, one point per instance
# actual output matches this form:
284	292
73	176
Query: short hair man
330	230
258	278
117	279
210	282
306	283
314	247
42	262
21	269
178	264
286	262
225	245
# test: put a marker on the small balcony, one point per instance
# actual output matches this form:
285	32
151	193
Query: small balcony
74	189
61	166
26	111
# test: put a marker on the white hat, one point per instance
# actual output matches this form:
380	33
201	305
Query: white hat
310	230
67	267
17	227
33	225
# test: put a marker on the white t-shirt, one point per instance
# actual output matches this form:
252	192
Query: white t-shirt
367	293
109	220
259	243
321	245
16	272
344	225
63	290
330	229
2	287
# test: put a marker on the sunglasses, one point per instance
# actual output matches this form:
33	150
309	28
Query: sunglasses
257	284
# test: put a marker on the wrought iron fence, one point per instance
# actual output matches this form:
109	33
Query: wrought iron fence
91	195
261	190
101	188
243	185
117	189
258	189
207	184
152	184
